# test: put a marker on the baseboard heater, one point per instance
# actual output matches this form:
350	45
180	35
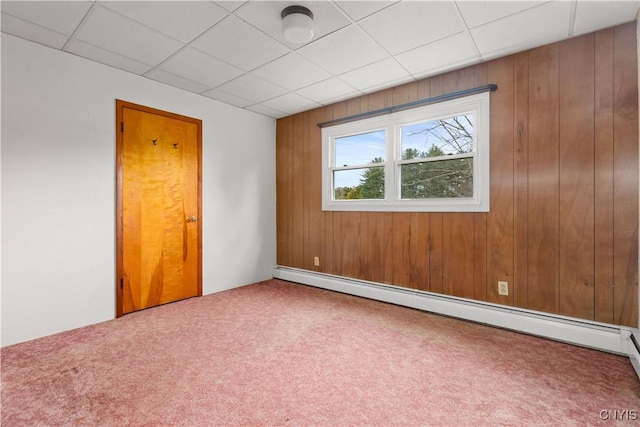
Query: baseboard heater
634	352
601	336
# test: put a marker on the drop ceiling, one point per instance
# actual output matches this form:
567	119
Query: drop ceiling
233	51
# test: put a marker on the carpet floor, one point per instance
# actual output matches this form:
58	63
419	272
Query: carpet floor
277	353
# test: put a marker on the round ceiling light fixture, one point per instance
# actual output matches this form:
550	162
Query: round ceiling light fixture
297	24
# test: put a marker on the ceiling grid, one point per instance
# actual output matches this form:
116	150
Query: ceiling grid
234	51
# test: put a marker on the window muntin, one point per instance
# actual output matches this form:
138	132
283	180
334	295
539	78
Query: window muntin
432	158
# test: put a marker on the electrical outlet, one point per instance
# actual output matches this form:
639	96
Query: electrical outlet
316	261
503	288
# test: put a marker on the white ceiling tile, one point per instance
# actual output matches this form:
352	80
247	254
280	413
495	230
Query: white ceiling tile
252	88
595	15
534	27
238	55
238	43
292	72
265	15
176	81
111	31
407	25
377	75
291	103
358	9
344	50
60	16
32	32
266	111
227	98
453	52
182	20
200	67
476	12
105	57
231	5
329	91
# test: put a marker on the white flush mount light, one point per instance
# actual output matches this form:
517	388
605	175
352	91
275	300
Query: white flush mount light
297	24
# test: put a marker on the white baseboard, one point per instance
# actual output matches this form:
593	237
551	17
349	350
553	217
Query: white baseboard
601	336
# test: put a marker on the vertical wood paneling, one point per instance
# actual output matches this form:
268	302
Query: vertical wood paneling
349	240
316	243
338	243
603	214
480	257
372	261
419	250
563	224
297	207
458	248
327	266
576	251
387	240
500	218
283	179
625	220
307	259
401	244
542	212
521	181
435	252
458	228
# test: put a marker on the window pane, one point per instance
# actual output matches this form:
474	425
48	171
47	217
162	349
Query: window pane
360	149
439	179
438	137
366	183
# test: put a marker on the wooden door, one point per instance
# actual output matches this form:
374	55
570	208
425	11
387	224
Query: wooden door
159	231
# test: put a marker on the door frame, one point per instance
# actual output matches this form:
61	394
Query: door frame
120	106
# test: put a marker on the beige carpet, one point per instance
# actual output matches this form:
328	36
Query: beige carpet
276	353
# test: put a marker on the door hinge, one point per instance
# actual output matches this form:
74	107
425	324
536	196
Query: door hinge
122	127
122	283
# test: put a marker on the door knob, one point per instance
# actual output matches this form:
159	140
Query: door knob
193	218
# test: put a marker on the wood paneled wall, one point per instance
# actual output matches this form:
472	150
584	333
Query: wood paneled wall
563	224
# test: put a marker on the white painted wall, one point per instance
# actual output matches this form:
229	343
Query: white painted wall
58	188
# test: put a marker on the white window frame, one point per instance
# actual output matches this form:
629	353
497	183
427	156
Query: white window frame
478	104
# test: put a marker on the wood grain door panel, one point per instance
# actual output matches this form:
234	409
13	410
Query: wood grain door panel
159	208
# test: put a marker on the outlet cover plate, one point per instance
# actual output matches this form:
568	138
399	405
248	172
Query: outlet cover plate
503	288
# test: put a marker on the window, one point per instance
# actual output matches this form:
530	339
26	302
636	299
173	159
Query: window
431	158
